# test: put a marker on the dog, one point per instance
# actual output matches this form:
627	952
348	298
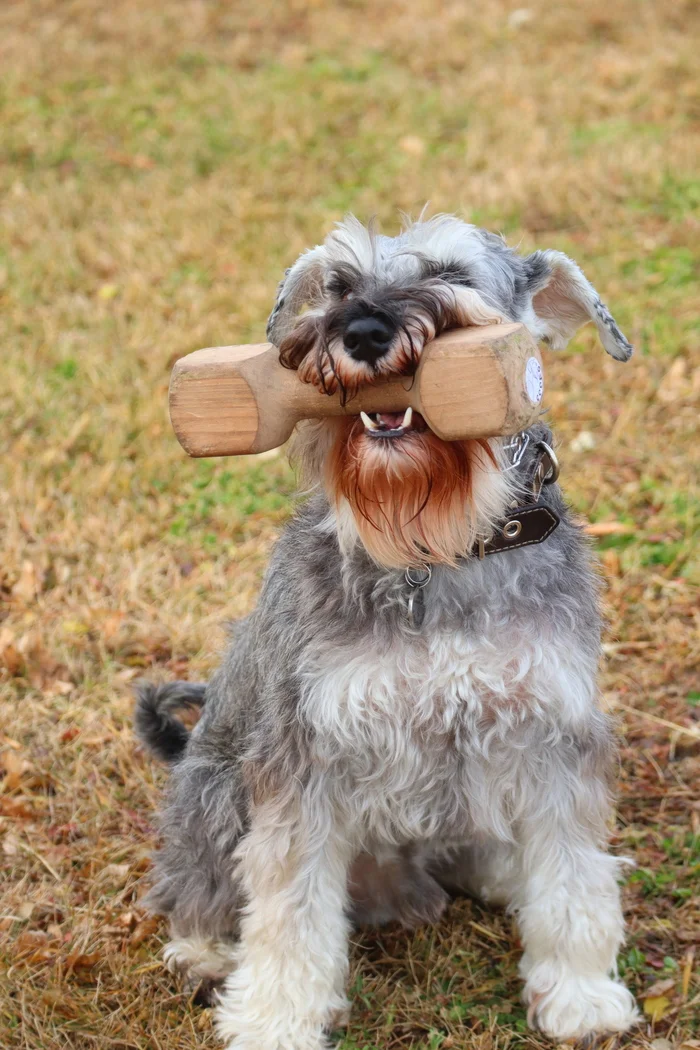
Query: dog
411	709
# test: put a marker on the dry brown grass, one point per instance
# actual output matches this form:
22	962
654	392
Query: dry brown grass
159	164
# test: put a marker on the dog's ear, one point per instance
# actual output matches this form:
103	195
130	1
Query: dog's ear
302	283
564	300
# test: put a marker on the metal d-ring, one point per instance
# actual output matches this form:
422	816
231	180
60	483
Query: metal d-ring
417	578
552	474
547	468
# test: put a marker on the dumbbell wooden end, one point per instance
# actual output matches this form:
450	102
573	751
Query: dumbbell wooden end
481	382
471	382
213	407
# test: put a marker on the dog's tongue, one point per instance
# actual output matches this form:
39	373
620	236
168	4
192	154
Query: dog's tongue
390	420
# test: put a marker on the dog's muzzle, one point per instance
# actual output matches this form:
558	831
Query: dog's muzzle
368	338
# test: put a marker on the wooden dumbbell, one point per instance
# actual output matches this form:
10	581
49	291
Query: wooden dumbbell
471	382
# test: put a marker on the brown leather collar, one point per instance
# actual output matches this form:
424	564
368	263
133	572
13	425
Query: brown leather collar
526	525
532	522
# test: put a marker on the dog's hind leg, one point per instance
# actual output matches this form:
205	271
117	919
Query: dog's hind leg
394	886
288	986
193	882
489	870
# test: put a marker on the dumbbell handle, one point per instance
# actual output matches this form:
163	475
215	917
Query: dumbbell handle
471	382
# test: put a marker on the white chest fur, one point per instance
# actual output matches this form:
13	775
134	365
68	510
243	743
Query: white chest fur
414	730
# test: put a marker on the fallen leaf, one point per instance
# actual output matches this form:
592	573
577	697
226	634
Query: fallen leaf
660	987
672	385
115	872
83	960
138	161
10	656
64	832
59	1003
583	442
608	528
127	674
143	930
58	688
46	914
611	561
656	1007
32	947
412	145
13	767
687	969
27	586
16	809
519	17
138	821
108	291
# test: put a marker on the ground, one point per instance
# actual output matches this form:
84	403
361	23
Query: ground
160	164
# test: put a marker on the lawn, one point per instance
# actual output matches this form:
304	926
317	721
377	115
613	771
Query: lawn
160	164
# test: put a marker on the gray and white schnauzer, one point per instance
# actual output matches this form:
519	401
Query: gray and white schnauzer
411	710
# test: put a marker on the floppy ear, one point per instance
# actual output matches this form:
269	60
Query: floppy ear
302	283
563	300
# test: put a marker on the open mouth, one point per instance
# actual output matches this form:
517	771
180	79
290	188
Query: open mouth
392	424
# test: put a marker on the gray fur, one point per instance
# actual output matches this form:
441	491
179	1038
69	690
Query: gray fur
339	746
252	727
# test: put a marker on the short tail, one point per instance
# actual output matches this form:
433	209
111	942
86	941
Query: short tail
156	726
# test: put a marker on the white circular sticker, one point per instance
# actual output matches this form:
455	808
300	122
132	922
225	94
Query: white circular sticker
534	380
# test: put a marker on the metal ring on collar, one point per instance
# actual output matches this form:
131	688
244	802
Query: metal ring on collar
512	529
418	577
552	472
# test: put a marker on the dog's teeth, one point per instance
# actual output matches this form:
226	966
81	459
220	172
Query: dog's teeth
407	417
369	423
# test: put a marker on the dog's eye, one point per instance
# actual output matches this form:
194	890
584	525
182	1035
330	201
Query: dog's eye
340	290
339	287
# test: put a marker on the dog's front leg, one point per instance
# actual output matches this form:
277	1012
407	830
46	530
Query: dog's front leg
288	987
568	904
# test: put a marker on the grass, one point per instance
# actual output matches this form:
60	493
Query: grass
159	166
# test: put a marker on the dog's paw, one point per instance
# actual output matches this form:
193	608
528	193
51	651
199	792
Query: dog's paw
253	1021
199	959
239	1035
421	902
566	1005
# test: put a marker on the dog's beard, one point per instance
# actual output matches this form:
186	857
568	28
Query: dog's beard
414	499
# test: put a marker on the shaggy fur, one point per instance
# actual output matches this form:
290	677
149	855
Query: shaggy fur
350	767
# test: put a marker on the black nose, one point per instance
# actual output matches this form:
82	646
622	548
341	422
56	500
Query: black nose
368	338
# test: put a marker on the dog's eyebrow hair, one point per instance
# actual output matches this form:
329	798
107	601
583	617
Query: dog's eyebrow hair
342	278
449	270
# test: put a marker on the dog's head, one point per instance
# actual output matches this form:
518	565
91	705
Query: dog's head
373	302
